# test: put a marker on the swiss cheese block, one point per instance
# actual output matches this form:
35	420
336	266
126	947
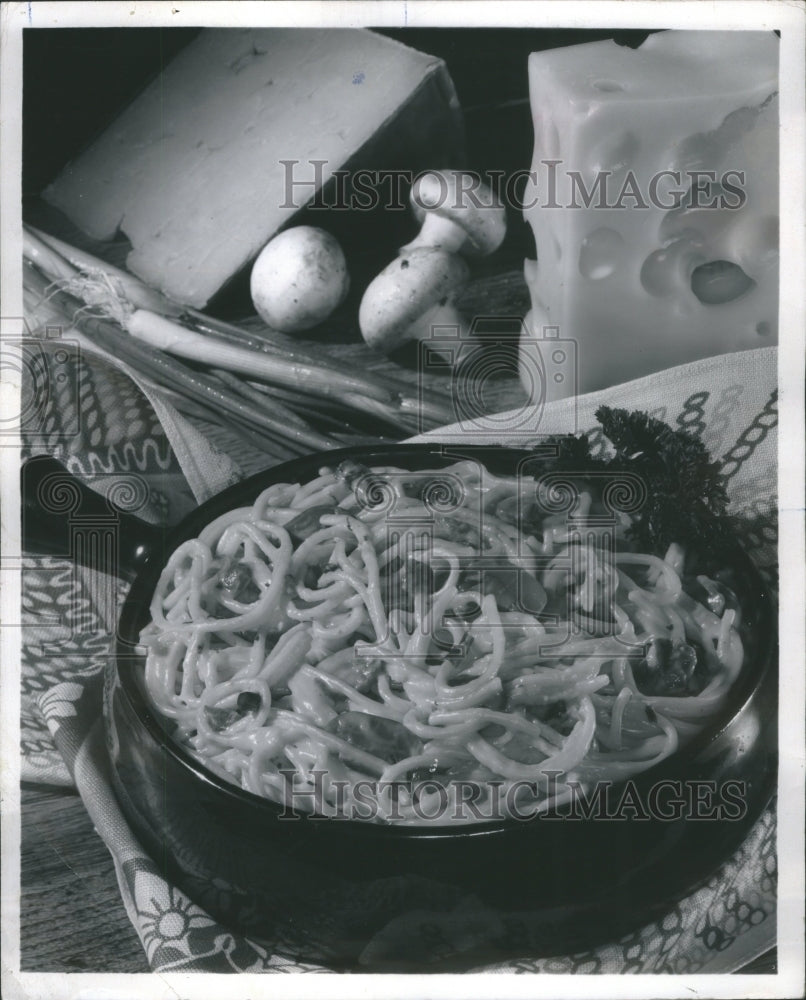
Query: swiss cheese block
654	201
192	173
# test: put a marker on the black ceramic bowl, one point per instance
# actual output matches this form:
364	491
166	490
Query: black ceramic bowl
366	896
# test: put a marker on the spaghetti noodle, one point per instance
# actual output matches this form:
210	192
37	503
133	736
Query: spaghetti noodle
420	633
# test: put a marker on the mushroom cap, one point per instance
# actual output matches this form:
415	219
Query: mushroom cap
460	198
299	278
397	299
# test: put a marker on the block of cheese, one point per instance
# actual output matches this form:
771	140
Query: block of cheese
654	201
192	171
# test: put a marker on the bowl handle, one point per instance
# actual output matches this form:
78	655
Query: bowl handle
58	509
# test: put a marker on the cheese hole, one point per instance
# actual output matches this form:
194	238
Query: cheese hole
608	86
719	281
601	253
667	271
763	329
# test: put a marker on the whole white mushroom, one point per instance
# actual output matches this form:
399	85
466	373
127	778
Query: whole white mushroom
411	297
298	279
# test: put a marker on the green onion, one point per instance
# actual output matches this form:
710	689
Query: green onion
304	386
242	388
166	370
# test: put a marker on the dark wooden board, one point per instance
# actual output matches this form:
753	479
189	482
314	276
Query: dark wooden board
72	918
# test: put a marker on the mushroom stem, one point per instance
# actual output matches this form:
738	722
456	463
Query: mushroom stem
438	231
458	213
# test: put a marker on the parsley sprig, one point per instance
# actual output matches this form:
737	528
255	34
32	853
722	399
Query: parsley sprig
686	496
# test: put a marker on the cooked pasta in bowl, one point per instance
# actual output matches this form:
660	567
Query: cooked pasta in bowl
425	634
383	681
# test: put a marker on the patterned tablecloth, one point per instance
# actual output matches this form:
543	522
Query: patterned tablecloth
129	443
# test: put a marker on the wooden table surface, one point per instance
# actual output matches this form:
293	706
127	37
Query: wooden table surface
72	918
